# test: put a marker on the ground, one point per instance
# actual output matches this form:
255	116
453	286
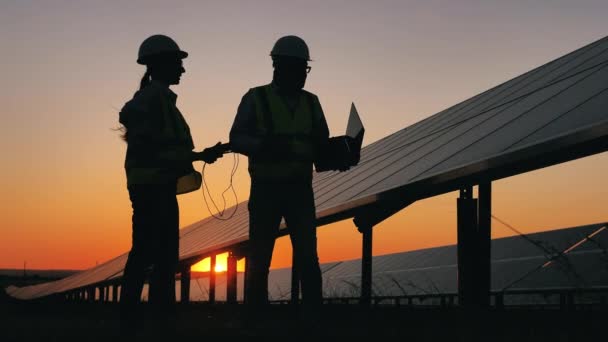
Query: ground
26	321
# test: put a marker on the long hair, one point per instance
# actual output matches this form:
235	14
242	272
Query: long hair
145	81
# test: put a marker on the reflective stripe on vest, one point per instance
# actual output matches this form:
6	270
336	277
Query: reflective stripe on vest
274	118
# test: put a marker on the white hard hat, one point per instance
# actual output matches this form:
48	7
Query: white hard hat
158	44
291	46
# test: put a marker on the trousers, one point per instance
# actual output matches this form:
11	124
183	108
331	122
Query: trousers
268	204
155	244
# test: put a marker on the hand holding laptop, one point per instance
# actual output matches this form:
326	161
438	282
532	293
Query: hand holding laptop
344	151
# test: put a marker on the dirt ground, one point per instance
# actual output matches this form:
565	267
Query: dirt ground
24	321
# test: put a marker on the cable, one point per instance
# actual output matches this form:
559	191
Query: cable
205	187
547	251
220	213
552	254
201	289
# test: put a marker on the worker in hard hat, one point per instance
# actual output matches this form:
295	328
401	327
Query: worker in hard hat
158	166
282	128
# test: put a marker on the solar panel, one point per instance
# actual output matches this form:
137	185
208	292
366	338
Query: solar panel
434	270
554	113
550	103
206	235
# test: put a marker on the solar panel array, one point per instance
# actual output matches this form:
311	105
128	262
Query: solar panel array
563	101
205	235
560	98
516	265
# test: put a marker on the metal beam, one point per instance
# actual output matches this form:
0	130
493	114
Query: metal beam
581	144
373	214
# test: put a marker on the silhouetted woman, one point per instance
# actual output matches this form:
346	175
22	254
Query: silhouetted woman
158	164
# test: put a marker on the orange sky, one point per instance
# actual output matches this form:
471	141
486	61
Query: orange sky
69	67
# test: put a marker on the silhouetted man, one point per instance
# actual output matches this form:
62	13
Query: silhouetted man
282	128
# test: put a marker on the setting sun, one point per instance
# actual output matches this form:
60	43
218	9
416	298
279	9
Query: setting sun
221	261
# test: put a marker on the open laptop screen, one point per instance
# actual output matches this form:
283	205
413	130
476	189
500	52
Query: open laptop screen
354	128
341	152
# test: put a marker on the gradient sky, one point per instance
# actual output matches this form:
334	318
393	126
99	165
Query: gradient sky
68	66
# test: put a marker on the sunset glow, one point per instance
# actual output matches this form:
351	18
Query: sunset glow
70	66
221	262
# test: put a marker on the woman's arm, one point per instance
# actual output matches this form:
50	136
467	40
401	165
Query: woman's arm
142	117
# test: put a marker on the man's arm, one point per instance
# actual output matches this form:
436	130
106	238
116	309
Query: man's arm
328	156
320	136
321	130
243	135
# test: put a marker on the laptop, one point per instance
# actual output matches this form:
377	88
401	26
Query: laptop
342	152
355	130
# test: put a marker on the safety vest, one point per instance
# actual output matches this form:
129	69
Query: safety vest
274	118
175	139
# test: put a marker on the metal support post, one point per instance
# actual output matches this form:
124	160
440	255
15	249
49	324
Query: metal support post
232	279
212	262
115	293
366	263
467	228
